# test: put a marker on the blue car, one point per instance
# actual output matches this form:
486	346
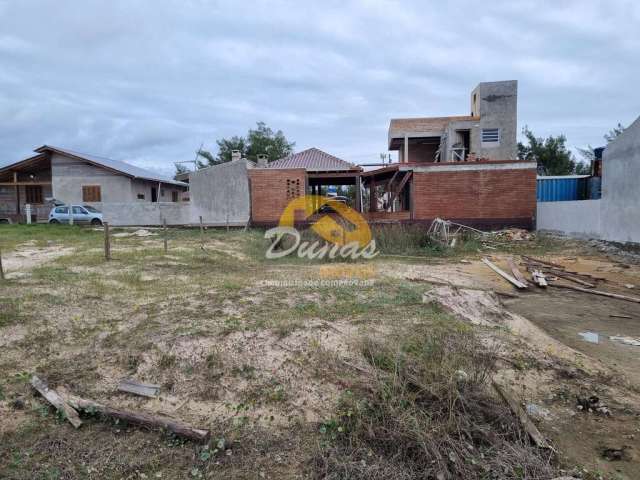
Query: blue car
82	214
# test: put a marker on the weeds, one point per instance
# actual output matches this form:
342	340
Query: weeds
427	412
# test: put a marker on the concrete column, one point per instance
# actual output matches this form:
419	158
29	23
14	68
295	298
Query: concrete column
405	156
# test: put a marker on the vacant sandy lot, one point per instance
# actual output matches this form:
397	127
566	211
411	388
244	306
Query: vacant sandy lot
265	367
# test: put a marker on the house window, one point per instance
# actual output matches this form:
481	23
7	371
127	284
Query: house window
91	193
490	135
33	193
141	196
174	196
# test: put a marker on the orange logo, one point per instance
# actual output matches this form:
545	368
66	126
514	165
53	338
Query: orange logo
352	229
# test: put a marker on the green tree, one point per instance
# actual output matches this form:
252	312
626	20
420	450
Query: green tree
551	154
261	140
180	169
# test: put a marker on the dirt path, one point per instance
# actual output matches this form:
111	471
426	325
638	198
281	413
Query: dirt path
27	256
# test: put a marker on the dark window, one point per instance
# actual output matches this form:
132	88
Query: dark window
78	211
33	193
141	196
63	210
174	196
91	193
154	194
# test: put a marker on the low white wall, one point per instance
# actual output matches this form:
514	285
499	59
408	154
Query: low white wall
579	218
145	213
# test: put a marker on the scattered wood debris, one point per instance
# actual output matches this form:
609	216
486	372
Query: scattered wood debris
70	404
525	421
57	401
539	278
598	292
144	419
137	388
504	274
516	272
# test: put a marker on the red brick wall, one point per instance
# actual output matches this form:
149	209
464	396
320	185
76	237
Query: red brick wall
269	196
499	197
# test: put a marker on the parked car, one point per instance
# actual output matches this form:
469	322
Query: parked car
82	214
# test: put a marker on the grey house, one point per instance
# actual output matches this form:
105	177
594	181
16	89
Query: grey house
72	177
488	132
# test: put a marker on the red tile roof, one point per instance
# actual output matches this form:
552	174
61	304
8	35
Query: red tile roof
315	160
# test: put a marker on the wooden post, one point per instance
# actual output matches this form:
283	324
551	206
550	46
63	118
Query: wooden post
164	232
357	194
373	199
201	233
1	270
227	221
107	242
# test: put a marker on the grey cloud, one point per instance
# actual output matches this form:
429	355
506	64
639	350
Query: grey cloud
149	81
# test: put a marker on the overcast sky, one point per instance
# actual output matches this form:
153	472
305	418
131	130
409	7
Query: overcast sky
149	81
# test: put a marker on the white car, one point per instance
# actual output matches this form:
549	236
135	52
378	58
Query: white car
82	214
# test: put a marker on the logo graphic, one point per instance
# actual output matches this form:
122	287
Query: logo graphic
345	231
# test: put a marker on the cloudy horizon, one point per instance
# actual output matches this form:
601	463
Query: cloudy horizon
149	82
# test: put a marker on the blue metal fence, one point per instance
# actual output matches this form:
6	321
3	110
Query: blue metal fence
564	188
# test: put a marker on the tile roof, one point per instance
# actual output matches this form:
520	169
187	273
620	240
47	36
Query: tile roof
122	167
315	160
428	124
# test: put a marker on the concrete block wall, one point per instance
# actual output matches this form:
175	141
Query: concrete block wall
146	213
220	194
620	187
579	218
491	195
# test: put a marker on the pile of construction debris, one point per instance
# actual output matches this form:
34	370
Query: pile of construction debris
447	233
544	273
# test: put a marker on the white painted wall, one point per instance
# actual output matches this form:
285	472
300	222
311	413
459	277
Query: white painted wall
580	218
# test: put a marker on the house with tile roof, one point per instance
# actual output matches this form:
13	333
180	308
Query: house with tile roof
70	177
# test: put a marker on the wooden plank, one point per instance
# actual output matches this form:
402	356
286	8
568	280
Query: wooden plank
144	419
574	279
621	316
598	292
559	268
503	274
539	278
524	419
57	401
403	182
137	388
22	184
516	272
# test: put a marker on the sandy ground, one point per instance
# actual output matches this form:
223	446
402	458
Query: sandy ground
555	346
566	336
27	256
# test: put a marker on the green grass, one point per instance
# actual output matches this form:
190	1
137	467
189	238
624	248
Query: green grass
43	235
